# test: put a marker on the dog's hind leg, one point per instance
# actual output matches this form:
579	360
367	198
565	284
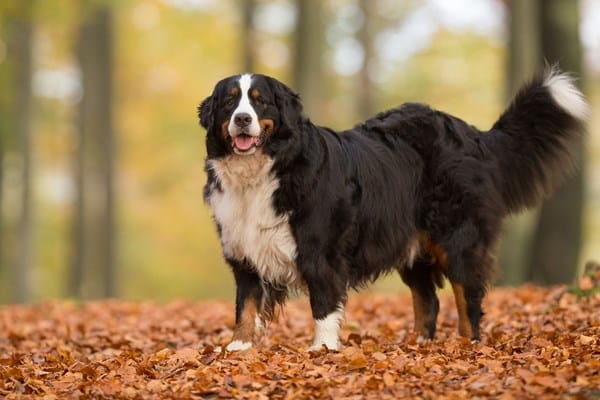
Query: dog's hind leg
470	268
468	304
469	291
421	278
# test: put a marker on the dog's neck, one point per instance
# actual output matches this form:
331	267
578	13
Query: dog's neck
238	172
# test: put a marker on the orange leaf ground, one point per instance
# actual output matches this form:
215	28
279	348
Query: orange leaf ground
536	343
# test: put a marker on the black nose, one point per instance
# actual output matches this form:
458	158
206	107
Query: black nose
242	120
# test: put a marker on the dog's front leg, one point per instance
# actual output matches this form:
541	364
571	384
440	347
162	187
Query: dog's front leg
248	303
327	293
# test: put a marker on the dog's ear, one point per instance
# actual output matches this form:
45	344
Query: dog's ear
206	112
288	102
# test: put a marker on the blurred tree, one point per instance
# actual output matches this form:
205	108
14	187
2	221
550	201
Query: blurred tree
365	93
558	236
248	34
93	264
307	55
523	62
15	142
524	38
545	249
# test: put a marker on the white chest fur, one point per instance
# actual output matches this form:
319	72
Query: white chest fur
250	228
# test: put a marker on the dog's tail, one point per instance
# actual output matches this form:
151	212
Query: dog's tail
534	138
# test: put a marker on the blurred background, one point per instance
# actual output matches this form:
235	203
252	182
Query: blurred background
101	154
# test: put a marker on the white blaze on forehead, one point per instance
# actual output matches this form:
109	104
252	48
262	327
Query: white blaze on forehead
244	106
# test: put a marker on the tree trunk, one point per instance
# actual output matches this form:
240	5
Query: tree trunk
247	34
5	128
23	99
545	251
307	71
523	61
524	43
366	90
15	135
558	236
93	264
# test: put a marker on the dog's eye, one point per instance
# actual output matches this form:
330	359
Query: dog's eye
260	100
229	101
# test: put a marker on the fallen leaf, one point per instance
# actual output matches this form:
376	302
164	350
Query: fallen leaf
526	375
586	282
540	342
586	340
536	343
357	361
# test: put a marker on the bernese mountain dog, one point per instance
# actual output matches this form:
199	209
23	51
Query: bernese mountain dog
303	207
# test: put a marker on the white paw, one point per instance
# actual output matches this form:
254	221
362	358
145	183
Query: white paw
327	331
238	345
316	347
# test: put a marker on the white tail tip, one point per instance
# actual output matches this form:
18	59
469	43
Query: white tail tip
566	95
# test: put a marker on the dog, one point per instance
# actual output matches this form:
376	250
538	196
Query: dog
303	207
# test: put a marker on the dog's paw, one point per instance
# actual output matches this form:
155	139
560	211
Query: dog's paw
317	347
238	345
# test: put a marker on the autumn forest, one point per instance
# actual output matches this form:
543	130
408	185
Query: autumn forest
112	280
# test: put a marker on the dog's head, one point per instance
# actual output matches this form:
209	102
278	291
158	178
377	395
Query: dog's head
247	112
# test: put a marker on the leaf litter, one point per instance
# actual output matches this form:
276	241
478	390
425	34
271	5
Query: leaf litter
535	342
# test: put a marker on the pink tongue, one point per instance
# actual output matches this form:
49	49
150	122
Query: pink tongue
244	142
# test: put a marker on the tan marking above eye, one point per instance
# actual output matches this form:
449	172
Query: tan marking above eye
234	91
255	94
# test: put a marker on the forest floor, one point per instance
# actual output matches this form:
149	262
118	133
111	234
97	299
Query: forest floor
536	343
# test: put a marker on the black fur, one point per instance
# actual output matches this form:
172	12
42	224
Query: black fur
409	179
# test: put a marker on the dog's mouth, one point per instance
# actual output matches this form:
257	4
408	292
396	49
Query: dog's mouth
247	144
